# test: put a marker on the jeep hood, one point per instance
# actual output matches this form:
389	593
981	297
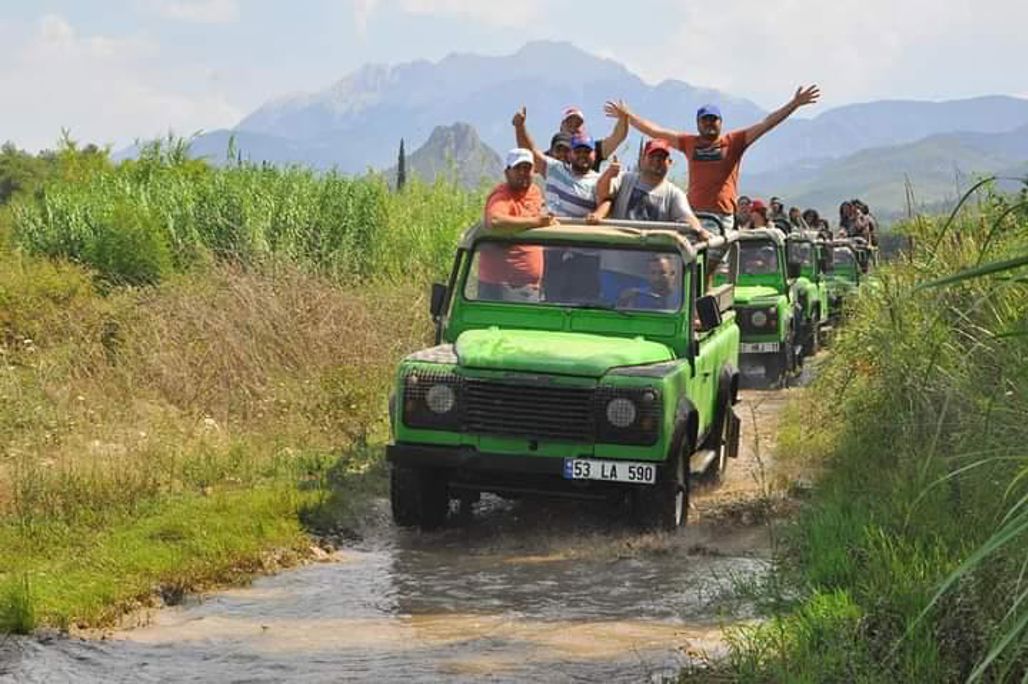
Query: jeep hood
745	294
540	351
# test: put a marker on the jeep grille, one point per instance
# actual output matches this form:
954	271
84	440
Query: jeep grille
534	411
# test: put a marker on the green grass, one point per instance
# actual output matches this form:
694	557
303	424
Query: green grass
907	563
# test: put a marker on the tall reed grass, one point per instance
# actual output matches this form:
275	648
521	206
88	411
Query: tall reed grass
140	220
911	561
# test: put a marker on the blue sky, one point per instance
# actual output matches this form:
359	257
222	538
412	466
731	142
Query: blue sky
116	70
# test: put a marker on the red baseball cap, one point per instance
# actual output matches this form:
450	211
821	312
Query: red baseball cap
758	205
656	145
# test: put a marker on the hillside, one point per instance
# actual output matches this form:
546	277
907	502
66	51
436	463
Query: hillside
454	153
939	167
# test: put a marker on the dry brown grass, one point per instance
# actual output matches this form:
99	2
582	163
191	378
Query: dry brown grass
207	378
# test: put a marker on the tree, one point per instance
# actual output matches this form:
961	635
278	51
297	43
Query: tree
401	168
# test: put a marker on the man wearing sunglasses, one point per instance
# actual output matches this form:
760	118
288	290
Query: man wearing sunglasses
713	156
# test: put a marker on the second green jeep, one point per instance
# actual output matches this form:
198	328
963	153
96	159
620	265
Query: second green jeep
612	377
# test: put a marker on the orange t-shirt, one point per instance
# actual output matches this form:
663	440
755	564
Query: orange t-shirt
713	170
515	265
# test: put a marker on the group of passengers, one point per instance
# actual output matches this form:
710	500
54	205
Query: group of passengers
855	219
577	184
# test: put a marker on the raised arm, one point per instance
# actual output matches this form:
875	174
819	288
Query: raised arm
617	136
620	110
803	96
525	140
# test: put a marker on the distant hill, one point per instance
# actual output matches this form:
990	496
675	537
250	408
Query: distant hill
939	167
454	152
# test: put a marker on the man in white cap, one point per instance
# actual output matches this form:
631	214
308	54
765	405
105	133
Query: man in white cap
513	272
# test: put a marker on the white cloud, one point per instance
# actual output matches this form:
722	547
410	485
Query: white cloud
856	49
200	11
104	89
488	12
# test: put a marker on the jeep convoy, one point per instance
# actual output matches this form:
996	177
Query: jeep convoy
616	380
615	377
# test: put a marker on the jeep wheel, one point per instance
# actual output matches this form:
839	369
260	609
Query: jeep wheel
418	497
664	505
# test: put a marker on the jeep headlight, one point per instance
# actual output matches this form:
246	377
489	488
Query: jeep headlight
628	415
431	399
621	412
759	319
440	398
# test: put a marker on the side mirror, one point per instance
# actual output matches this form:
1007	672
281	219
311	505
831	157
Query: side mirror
438	300
708	312
793	269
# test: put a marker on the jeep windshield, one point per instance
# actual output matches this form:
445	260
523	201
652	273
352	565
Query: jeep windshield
591	277
843	257
757	258
802	252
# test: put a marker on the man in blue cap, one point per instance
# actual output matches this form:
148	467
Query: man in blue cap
714	157
570	187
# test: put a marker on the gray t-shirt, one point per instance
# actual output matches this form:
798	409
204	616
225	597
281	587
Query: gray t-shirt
637	200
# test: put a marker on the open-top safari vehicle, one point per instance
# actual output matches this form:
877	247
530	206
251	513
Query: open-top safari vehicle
613	376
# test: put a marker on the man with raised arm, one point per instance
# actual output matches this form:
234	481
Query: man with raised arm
713	156
573	124
571	185
646	194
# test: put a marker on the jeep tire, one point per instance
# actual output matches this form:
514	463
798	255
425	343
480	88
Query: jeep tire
418	497
665	504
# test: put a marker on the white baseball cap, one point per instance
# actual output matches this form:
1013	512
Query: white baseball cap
519	155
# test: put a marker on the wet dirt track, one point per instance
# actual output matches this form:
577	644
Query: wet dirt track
521	591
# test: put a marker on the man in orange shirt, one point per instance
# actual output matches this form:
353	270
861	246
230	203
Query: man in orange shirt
512	272
714	157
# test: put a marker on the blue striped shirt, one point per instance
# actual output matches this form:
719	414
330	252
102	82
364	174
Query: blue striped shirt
568	194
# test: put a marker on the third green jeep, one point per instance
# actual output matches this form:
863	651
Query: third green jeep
611	377
813	256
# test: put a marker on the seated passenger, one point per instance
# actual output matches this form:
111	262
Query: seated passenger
570	185
742	212
758	214
646	194
573	124
513	272
663	290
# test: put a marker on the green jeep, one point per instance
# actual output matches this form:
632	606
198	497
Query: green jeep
614	376
810	256
845	278
770	314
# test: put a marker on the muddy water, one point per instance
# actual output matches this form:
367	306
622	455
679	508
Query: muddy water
517	591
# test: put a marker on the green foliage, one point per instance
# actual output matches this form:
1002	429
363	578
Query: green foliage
174	212
918	416
17	611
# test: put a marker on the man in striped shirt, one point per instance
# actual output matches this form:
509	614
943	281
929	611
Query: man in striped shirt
570	187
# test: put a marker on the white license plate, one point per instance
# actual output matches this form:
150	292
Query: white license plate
758	347
609	471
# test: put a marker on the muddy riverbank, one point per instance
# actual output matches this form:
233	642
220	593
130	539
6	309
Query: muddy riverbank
517	591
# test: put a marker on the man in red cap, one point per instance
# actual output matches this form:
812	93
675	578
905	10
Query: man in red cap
714	157
646	194
573	124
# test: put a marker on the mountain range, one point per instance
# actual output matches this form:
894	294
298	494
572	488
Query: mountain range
356	123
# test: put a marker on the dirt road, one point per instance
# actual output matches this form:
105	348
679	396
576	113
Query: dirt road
522	591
